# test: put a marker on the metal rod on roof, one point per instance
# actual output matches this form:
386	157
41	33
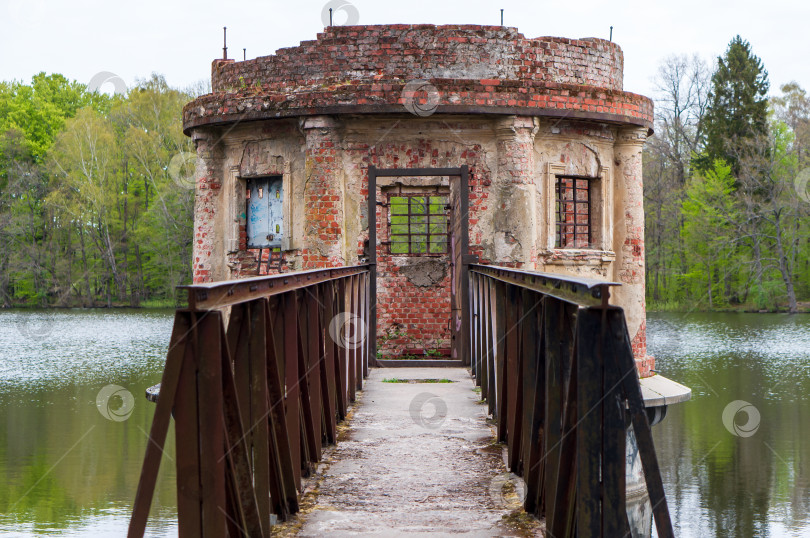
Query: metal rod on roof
330	16
224	42
501	17
611	33
244	54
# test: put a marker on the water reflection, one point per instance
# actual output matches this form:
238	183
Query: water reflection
66	469
720	482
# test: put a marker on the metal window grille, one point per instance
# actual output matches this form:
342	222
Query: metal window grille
573	205
417	224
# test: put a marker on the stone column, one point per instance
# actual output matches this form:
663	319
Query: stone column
628	242
514	226
323	195
208	252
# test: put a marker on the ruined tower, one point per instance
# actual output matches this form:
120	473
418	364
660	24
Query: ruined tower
552	143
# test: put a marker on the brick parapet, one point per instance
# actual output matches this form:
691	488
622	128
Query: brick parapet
427	51
475	69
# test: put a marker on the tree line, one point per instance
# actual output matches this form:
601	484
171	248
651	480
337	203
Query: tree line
725	185
96	205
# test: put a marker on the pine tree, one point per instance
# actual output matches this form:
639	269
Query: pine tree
738	106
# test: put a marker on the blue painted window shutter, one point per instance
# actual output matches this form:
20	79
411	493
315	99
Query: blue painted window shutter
265	220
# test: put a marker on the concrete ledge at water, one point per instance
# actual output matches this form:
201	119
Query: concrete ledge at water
153	392
657	390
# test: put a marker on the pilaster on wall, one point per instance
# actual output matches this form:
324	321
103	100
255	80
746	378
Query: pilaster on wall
629	241
235	198
323	194
514	190
207	251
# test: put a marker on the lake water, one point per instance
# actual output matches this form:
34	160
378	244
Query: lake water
69	470
65	469
747	475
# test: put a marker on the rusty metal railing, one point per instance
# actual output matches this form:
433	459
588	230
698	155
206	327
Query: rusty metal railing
554	362
255	397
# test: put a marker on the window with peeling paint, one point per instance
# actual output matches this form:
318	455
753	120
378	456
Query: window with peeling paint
265	220
417	224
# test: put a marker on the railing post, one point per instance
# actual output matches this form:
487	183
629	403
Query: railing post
330	360
534	389
475	327
179	349
342	365
291	380
312	373
501	386
560	441
212	428
354	371
286	499
492	347
514	392
187	450
589	423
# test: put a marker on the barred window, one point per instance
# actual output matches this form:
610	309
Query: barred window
418	224
573	205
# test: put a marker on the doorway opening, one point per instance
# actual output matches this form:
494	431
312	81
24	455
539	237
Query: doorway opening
418	268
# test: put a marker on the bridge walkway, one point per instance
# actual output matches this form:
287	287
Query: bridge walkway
418	457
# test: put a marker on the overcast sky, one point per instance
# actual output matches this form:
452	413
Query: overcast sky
80	38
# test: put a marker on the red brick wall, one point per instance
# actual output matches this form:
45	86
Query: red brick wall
207	192
411	319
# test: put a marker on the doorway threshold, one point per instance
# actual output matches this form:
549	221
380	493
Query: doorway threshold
418	363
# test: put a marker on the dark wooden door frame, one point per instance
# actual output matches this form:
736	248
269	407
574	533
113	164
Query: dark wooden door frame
460	270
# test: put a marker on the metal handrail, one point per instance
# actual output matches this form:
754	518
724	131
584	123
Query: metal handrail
555	364
255	397
213	295
576	290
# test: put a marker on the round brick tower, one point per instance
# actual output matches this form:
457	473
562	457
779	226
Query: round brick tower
552	142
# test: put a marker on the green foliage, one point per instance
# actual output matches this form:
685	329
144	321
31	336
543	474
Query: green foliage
738	105
39	110
88	208
709	214
726	223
